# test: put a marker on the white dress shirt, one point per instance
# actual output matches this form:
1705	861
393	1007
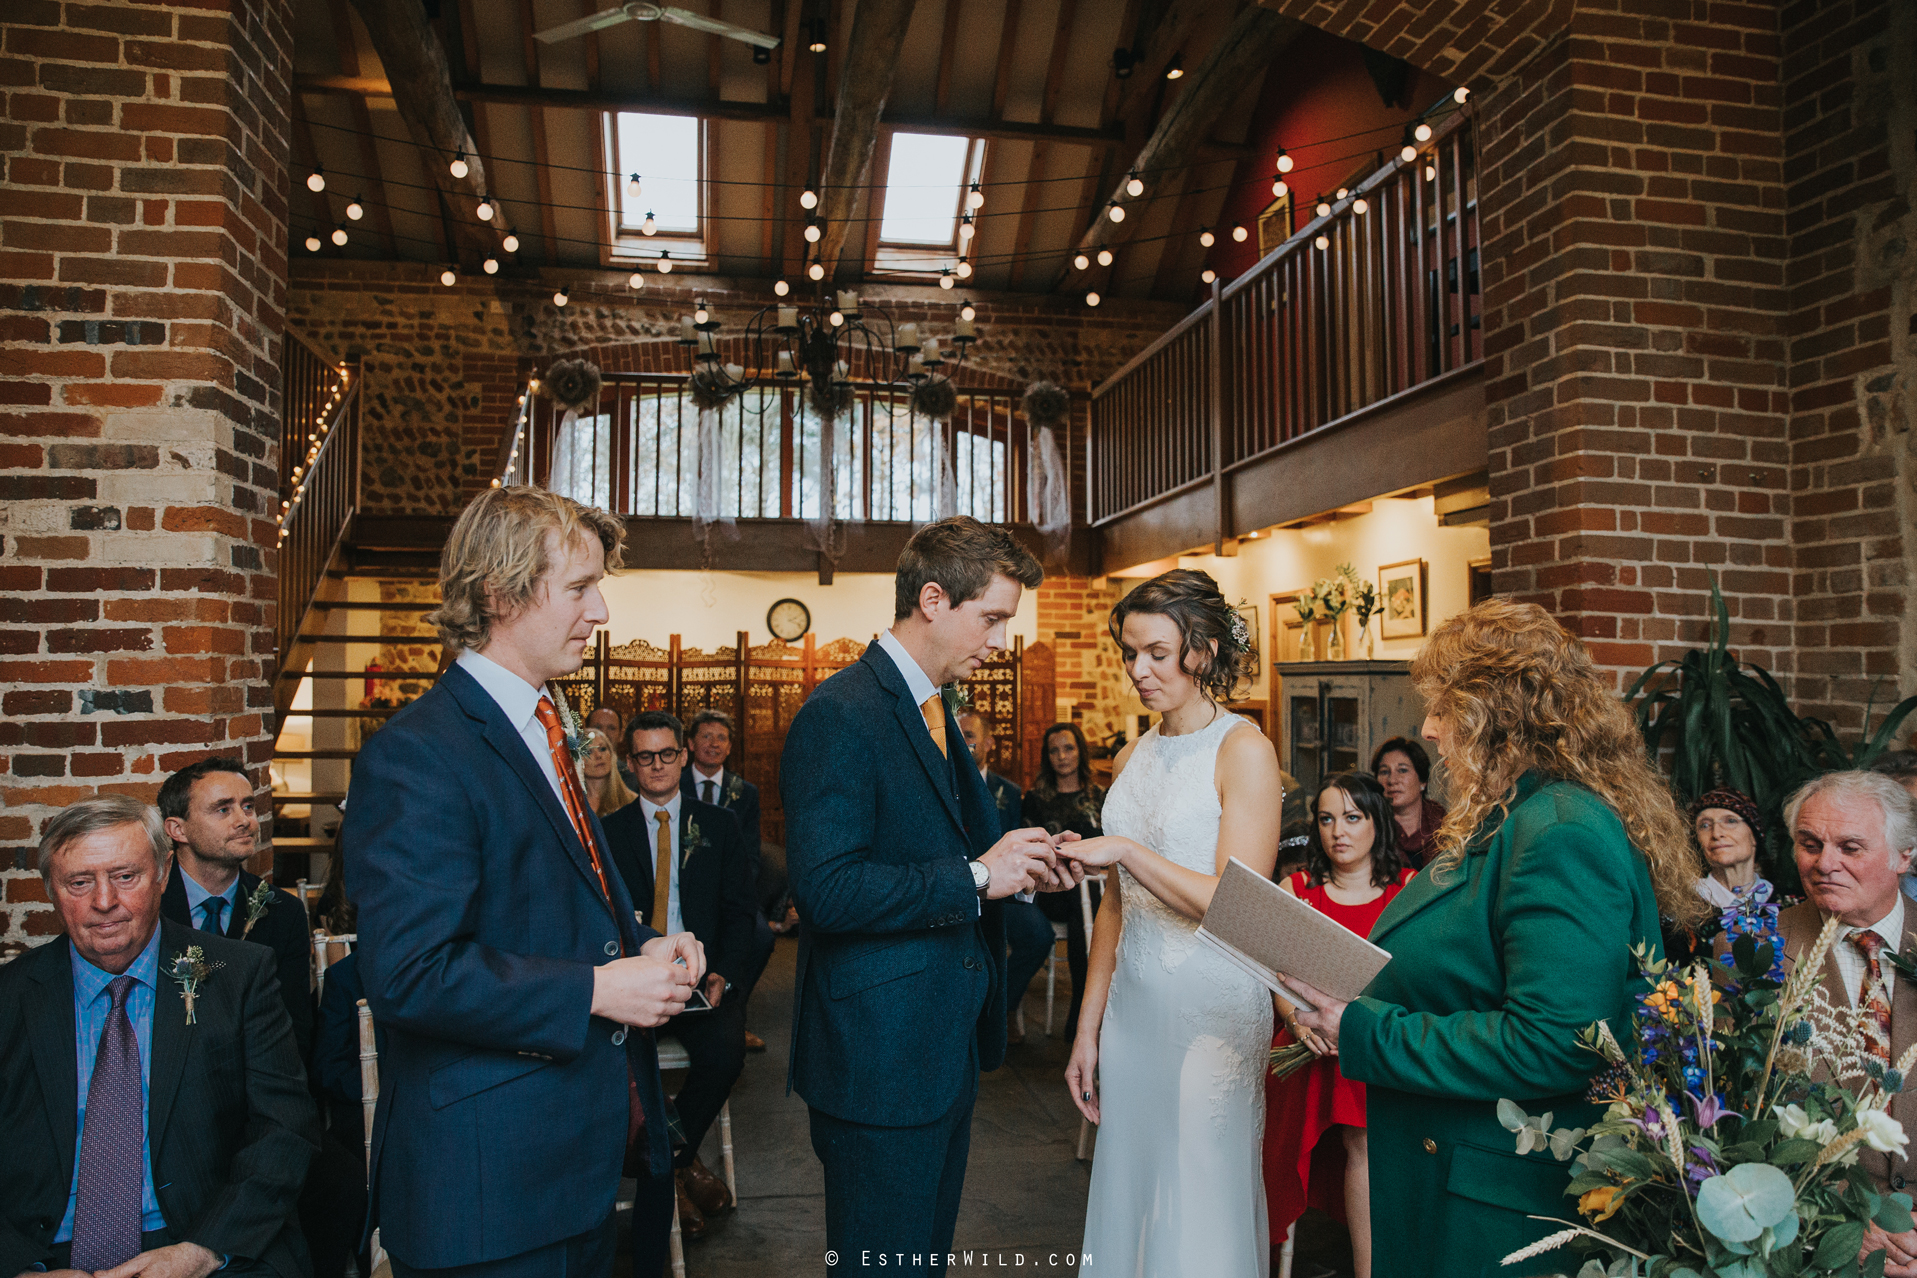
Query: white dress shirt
718	782
675	917
917	682
520	702
1850	959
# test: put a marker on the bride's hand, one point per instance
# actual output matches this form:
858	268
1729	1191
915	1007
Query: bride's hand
1081	1076
1319	1028
1096	853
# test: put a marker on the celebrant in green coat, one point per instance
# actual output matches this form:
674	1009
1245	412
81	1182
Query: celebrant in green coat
1561	844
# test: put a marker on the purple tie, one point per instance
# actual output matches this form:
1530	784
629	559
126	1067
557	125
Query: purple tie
106	1215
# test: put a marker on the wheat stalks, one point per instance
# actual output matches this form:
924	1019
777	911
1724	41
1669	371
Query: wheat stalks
1805	975
1839	1147
1701	994
1543	1245
1608	1047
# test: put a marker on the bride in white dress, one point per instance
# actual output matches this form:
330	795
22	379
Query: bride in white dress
1173	1040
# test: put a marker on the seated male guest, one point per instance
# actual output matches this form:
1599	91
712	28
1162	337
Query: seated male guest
1854	833
1028	933
709	740
684	863
209	815
143	1123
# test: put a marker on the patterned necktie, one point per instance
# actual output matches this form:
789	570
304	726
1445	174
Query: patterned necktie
106	1213
662	871
570	790
1873	997
707	783
934	712
214	908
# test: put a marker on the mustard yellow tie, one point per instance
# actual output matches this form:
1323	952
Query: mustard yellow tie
934	711
662	871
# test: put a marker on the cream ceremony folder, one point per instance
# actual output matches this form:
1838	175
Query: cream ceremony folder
1266	930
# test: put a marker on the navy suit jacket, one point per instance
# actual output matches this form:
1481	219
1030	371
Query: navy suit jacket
744	809
901	980
502	1113
282	929
1007	797
715	895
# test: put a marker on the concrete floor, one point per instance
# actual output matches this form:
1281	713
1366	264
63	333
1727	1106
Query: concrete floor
1024	1204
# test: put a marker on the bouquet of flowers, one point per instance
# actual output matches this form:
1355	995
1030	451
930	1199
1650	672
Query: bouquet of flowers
1737	1110
1363	595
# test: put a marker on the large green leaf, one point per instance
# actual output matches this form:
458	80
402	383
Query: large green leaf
1839	1246
1745	1201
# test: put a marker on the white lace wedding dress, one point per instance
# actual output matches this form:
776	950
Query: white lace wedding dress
1178	1177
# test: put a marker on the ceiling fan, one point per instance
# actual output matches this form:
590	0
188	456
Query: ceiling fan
638	12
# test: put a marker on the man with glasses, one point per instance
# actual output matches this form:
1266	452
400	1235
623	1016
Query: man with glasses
685	864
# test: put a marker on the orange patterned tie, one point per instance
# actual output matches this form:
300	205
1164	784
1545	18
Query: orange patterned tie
934	712
569	790
1873	997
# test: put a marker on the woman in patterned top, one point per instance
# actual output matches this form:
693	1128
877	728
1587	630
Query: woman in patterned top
1064	797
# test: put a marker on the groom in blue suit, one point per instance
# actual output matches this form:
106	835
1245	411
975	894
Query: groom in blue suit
515	990
897	866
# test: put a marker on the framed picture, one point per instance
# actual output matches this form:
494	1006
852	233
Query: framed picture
1401	591
1291	637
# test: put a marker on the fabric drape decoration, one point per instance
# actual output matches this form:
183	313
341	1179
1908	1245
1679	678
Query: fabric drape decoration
709	482
1046	493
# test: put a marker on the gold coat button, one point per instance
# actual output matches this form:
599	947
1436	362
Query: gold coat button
1430	1146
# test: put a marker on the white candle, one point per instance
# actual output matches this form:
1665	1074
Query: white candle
929	348
686	329
964	328
848	301
785	361
735	372
705	343
788	317
915	365
908	336
841	372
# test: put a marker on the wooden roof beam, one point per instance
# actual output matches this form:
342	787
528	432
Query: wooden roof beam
865	82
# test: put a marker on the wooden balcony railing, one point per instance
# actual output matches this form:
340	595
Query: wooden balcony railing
1377	298
319	486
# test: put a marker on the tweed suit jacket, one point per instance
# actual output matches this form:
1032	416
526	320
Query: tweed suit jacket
900	992
230	1124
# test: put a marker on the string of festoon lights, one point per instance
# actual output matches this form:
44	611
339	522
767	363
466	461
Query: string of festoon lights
519	434
302	473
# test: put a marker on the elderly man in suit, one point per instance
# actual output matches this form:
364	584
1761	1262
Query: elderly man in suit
1854	834
709	738
155	1116
208	810
498	945
898	868
684	861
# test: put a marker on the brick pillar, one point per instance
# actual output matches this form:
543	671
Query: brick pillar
142	289
1633	223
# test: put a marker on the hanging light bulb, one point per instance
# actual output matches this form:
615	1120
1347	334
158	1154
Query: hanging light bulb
1422	132
1408	153
1208	275
1285	162
632	186
312	244
1279	188
816	271
1324	207
665	264
1134	185
356	210
1176	71
946	280
965	229
559	297
1431	173
339	235
490	265
316	180
1080	261
699	312
1323	241
447	277
808	199
818	36
813	232
1116	212
968	312
780	288
835	319
1104	257
1361	206
1206	238
484	211
650	226
1343	191
510	243
975	198
635	280
1091	299
459	168
964	269
1239	233
1459	94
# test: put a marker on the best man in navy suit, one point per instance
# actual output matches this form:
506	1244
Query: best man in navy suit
498	945
897	867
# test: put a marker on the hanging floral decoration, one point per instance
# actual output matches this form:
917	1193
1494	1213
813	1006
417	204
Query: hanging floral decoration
1048	408
573	385
936	398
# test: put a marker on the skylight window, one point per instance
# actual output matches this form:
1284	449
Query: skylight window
925	187
664	151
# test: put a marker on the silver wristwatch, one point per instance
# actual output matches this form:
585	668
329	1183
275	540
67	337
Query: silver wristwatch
981	876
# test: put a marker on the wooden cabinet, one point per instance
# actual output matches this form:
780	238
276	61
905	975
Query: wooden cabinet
1335	713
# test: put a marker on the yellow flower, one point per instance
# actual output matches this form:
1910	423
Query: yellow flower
1601	1204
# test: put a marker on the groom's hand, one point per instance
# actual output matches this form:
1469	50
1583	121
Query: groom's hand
642	990
1018	863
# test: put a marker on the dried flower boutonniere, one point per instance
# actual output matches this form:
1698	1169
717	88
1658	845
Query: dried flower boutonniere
575	735
258	901
958	697
694	840
735	789
188	971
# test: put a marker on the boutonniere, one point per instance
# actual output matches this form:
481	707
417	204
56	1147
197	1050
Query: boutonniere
1905	961
575	735
257	903
958	697
694	840
735	788
188	971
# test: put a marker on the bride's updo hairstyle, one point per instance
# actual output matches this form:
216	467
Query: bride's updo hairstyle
1190	599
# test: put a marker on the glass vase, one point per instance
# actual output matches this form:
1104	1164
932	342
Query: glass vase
1335	649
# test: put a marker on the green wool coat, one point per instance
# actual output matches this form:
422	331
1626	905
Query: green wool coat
1496	966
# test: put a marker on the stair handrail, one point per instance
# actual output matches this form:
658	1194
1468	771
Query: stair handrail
516	440
316	512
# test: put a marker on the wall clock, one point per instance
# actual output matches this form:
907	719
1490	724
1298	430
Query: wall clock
788	620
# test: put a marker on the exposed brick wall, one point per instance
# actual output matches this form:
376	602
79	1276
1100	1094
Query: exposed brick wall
1072	618
1471	43
1850	114
1633	244
441	367
142	285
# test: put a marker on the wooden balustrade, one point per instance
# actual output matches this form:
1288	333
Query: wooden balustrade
1377	298
319	465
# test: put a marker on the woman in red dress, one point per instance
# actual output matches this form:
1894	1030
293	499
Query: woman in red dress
1315	1118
